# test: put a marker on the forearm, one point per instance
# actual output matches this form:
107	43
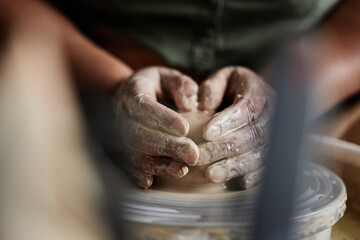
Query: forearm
91	66
335	57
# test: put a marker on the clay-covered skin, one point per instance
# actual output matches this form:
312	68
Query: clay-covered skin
154	141
152	135
238	135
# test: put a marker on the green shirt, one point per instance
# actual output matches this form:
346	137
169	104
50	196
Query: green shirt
203	35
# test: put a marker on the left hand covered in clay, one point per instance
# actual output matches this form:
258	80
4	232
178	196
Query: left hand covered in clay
237	136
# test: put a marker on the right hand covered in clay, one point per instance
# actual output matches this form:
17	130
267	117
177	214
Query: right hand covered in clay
152	135
237	136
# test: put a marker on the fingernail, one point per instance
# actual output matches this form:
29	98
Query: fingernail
146	181
149	181
177	169
217	174
204	157
212	133
184	171
181	127
189	155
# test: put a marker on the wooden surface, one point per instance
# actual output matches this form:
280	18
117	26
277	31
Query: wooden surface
348	228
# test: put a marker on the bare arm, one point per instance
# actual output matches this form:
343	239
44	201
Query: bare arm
335	56
91	65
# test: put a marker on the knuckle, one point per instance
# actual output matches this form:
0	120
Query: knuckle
257	133
139	99
230	148
236	167
227	148
157	145
132	135
165	144
250	110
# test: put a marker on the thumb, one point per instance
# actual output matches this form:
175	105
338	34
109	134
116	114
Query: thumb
181	87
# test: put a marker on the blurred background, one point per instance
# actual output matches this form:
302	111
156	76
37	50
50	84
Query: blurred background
61	62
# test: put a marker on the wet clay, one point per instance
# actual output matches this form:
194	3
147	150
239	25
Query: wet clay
196	180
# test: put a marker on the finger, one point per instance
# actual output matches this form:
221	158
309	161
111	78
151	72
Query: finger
158	166
251	179
139	96
212	90
144	181
139	178
247	138
237	166
145	110
250	95
182	88
152	142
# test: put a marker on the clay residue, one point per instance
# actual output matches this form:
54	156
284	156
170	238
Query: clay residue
196	179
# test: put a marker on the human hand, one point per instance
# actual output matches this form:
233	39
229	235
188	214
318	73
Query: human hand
237	136
152	135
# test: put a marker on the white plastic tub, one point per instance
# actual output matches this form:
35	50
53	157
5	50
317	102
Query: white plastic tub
175	216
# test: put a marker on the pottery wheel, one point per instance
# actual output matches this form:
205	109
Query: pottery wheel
320	204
